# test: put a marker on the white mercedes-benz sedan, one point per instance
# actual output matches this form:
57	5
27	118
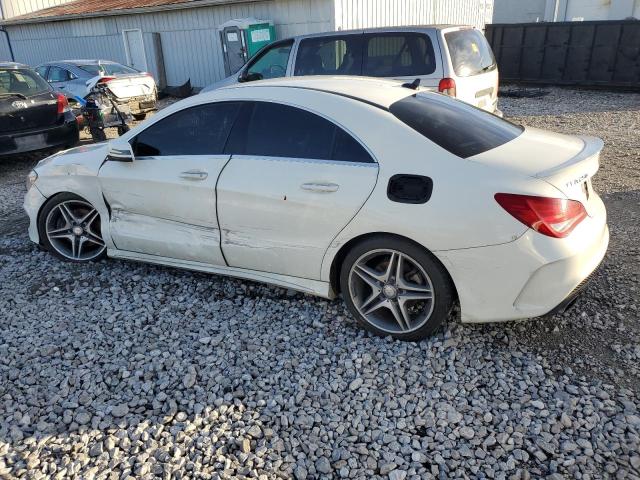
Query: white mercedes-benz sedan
403	201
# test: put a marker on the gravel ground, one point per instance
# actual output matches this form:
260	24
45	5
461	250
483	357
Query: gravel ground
124	370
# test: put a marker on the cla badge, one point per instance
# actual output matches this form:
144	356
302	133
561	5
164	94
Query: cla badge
19	104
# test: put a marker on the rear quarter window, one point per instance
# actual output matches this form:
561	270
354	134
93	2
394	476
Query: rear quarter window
470	52
456	126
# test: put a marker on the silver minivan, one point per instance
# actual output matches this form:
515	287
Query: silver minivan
455	60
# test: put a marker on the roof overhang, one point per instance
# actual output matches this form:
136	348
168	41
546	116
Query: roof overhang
33	17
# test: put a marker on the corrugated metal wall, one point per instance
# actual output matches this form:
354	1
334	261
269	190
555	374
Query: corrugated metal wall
13	8
352	14
191	44
190	41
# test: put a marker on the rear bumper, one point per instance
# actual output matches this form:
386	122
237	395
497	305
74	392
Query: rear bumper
529	277
142	104
567	303
65	135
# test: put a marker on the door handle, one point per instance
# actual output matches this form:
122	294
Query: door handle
194	175
320	187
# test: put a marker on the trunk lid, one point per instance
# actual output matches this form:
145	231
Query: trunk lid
19	114
567	162
480	90
127	86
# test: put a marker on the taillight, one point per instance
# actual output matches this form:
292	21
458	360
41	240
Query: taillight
554	217
63	104
106	79
447	86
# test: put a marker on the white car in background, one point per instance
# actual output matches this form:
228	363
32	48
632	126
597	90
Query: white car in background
75	78
402	200
452	59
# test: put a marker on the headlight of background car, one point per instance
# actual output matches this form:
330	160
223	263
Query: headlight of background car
31	179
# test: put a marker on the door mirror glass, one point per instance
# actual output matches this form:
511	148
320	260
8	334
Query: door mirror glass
120	151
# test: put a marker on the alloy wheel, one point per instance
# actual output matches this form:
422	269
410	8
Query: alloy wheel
73	230
391	290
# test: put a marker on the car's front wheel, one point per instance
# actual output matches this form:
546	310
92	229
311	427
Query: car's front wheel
69	227
395	287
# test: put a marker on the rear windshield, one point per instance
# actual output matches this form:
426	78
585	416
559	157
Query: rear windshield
107	69
470	52
456	126
21	83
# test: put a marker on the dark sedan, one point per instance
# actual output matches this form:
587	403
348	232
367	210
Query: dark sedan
32	115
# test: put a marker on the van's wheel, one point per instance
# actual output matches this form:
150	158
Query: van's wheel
69	228
395	287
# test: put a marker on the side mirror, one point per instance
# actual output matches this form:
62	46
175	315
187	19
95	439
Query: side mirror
120	151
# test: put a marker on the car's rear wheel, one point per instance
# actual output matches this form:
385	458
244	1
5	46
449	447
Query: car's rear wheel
69	227
395	287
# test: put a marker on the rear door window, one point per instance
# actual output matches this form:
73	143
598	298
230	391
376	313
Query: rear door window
398	55
470	52
271	63
456	126
199	130
330	56
57	74
275	130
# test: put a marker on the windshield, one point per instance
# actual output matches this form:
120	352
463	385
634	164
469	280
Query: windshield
21	83
458	127
470	52
107	69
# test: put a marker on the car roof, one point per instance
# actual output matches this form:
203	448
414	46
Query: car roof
376	91
412	28
80	62
13	65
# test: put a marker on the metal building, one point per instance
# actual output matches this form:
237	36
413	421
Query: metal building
178	39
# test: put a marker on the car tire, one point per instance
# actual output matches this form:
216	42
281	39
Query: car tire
69	227
139	116
408	301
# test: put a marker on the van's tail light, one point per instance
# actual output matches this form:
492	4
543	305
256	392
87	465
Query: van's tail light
554	217
63	104
447	86
106	79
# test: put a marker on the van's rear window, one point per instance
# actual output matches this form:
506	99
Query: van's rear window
456	126
470	52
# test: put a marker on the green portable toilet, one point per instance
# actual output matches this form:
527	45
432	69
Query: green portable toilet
242	38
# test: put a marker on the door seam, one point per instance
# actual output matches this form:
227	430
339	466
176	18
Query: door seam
215	192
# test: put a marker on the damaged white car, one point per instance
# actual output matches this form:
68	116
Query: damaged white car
402	200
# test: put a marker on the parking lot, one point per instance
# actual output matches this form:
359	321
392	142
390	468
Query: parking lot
125	370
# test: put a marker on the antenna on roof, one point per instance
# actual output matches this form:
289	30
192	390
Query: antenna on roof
413	85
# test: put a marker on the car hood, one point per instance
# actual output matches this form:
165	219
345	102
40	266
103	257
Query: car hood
225	82
83	160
